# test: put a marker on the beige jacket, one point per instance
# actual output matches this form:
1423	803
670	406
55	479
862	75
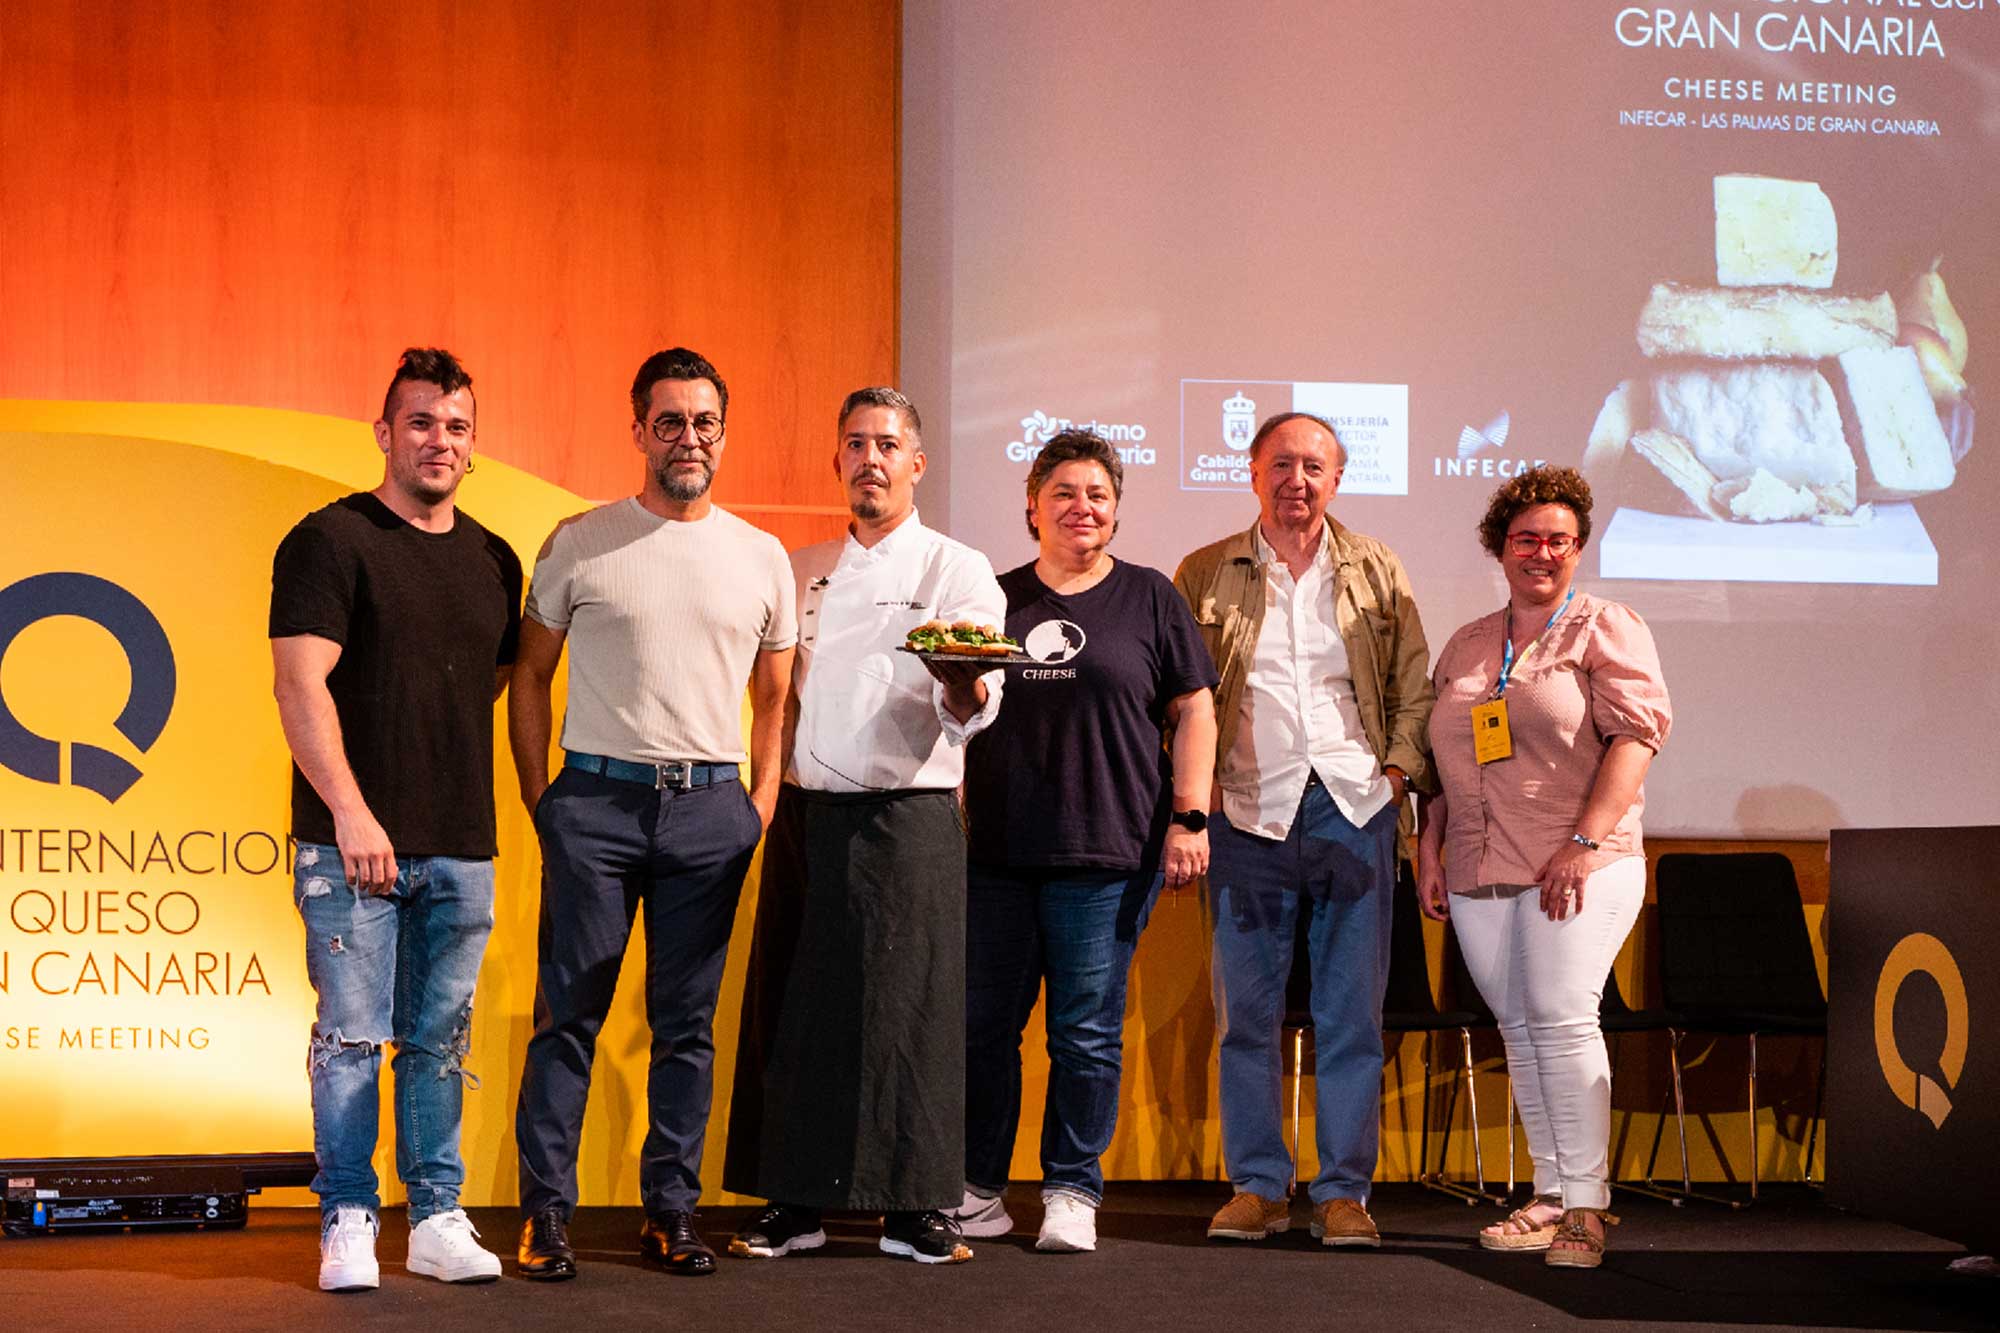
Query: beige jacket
1223	584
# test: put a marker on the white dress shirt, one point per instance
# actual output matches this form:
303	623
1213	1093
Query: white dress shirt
1299	712
871	718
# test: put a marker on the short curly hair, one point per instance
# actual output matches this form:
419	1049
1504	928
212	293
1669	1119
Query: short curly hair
1563	486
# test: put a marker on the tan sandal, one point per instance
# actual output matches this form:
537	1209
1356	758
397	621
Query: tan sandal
1588	1248
1520	1231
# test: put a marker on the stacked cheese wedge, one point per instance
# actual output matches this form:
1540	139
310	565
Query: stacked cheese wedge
1768	398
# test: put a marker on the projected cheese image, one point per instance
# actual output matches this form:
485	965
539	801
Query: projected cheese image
1781	431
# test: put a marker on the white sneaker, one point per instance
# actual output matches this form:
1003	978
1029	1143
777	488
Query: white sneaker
978	1216
347	1252
1069	1223
442	1246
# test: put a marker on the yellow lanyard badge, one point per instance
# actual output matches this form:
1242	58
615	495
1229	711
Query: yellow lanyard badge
1490	738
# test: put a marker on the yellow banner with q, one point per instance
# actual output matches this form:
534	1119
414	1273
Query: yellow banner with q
153	996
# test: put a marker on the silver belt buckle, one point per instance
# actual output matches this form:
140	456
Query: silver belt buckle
677	775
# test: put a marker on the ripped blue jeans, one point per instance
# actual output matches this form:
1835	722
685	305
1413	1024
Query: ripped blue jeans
400	967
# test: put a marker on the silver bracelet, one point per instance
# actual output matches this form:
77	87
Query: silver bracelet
1587	842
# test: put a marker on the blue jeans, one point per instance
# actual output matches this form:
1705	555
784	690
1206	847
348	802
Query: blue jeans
1076	929
1343	876
400	967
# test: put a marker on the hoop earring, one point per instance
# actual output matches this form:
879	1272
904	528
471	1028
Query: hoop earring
471	466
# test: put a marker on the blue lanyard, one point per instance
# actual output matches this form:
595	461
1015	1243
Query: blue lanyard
1507	659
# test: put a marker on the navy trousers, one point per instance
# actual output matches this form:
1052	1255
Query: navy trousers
608	848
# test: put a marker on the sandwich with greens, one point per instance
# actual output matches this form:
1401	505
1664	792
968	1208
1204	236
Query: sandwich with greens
960	639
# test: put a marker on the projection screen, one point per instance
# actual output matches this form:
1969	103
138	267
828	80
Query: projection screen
1738	260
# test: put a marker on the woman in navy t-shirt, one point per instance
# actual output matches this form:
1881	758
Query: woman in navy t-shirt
1077	814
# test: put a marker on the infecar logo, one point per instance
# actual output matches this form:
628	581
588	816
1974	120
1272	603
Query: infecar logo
151	657
1471	442
1479	453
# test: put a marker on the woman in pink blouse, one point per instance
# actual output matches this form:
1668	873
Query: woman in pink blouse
1548	713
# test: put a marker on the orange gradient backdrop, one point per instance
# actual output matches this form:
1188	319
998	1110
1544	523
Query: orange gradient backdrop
241	204
262	203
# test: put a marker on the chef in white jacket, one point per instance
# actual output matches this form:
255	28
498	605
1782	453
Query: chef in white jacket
850	1079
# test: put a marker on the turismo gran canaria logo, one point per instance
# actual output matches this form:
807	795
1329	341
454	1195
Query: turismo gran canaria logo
1128	437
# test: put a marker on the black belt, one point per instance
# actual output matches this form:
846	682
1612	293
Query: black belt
675	775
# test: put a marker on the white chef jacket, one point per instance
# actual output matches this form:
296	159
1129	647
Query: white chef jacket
871	718
1300	715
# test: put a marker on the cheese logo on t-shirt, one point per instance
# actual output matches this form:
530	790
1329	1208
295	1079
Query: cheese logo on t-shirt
1054	641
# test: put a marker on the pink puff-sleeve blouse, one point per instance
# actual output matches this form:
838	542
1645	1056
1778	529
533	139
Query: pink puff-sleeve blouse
1594	677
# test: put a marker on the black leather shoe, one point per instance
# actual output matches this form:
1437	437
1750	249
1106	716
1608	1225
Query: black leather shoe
545	1255
671	1240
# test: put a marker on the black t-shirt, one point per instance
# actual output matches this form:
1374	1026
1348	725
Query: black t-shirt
423	620
1072	772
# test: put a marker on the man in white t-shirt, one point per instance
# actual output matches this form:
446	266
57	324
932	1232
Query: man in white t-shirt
669	605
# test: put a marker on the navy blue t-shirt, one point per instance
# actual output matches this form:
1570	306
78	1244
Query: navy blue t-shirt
1072	771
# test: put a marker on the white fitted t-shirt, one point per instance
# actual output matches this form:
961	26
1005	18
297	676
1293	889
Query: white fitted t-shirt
664	620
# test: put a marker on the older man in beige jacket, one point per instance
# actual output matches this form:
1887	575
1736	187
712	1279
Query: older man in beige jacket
1321	713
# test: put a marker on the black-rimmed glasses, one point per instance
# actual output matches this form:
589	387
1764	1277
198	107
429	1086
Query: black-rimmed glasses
669	427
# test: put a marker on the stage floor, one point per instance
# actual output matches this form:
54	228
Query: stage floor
1789	1261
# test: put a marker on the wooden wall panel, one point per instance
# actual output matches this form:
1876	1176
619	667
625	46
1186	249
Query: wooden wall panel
224	201
261	202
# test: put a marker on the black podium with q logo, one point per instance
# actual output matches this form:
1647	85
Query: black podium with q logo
1913	1029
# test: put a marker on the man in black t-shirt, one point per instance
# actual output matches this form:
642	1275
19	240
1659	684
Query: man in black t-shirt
393	621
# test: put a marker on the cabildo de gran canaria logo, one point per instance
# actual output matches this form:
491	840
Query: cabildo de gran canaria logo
1038	428
147	651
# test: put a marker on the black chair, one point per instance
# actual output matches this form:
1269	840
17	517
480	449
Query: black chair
1616	1018
1736	959
1409	1006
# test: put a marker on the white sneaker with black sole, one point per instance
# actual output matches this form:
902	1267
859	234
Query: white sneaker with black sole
347	1252
1069	1224
981	1216
444	1246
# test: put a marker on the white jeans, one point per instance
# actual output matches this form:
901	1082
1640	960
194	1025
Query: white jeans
1543	980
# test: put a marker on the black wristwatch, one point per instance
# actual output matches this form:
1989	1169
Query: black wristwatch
1194	821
